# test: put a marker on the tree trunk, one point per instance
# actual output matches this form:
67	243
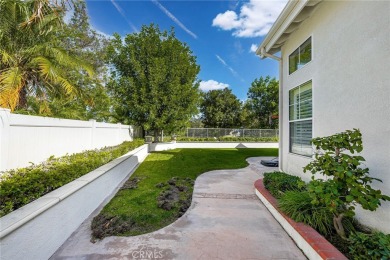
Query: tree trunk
338	225
22	99
156	133
270	120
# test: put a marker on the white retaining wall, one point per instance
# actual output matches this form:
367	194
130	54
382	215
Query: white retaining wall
25	139
38	229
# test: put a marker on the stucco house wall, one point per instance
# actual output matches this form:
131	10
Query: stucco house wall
350	74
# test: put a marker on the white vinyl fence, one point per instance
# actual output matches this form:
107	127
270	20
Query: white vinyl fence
25	139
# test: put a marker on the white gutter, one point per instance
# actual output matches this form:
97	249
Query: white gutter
264	54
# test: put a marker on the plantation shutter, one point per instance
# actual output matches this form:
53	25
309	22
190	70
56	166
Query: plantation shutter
300	116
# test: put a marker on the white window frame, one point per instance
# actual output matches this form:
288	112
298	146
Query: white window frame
306	150
299	52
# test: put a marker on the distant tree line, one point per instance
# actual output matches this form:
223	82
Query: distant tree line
222	109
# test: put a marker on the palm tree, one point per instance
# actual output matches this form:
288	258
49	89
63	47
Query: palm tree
31	59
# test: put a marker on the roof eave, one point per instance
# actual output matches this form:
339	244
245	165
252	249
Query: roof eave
287	22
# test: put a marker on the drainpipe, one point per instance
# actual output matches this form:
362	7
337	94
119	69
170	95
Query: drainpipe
264	54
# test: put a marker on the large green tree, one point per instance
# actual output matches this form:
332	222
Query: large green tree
154	83
220	109
32	59
262	103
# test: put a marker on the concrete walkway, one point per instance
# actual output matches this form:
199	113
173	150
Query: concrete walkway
225	221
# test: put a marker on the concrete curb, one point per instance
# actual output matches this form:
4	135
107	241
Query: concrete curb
313	245
36	230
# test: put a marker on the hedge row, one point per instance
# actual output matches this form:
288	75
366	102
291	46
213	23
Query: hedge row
226	139
19	187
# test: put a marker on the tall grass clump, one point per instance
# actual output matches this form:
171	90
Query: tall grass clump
297	205
277	183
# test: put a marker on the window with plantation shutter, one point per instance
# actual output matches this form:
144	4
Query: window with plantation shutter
300	118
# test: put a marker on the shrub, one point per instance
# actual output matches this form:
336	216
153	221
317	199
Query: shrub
349	185
21	186
369	246
196	139
297	205
248	139
224	139
279	182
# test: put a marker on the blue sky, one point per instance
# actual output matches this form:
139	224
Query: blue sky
222	34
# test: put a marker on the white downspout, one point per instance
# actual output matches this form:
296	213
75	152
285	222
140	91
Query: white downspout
263	54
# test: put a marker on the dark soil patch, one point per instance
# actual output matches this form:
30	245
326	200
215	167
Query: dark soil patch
131	183
340	244
104	226
176	195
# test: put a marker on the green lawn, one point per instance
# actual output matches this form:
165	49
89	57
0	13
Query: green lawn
135	211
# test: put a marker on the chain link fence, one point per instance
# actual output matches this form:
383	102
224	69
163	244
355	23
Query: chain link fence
230	132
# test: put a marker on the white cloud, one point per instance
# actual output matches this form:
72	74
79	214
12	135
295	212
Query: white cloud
212	85
253	48
227	21
173	18
254	19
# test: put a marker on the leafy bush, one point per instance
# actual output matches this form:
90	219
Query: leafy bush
279	182
369	246
21	186
349	185
298	206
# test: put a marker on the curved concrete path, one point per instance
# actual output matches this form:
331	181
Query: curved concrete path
225	221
